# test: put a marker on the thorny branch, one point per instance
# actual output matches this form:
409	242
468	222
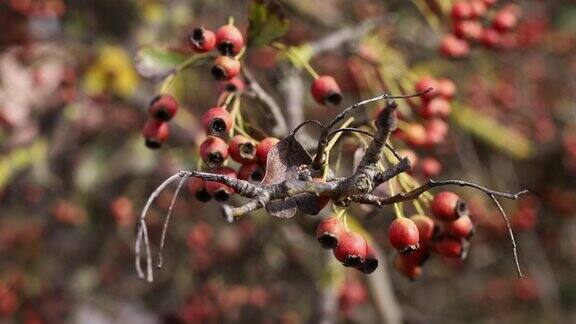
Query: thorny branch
342	191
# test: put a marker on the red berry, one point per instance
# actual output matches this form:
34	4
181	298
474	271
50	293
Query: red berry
202	40
328	232
197	187
453	47
427	83
155	133
436	131
468	29
404	265
234	85
163	107
461	10
229	40
430	167
264	147
214	151
216	121
447	206
479	8
452	247
426	227
505	20
437	107
351	249
403	235
491	38
252	172
415	134
446	89
242	149
370	262
463	227
326	91
225	68
490	2
220	191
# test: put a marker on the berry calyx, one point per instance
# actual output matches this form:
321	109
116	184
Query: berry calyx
264	147
370	262
403	235
326	91
328	232
214	151
220	191
463	227
225	68
216	121
242	149
163	107
229	40
252	172
351	249
155	133
202	40
447	206
197	187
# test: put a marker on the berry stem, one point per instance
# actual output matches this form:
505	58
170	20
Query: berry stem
231	21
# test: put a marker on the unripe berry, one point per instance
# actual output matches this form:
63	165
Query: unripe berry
437	107
370	262
202	40
252	172
264	147
452	247
229	40
242	149
328	232
403	235
220	191
351	249
406	267
214	151
446	89
155	133
491	38
216	121
447	206
197	187
453	47
430	167
163	107
461	10
225	68
326	91
463	227
426	227
505	20
426	83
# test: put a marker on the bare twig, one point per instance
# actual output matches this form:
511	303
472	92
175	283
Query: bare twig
514	248
167	221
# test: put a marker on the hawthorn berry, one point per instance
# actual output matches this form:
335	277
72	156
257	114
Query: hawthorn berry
446	89
489	3
214	151
225	68
461	10
468	29
220	191
253	172
216	121
163	107
436	132
155	133
197	187
264	147
328	232
229	40
425	84
491	38
463	227
403	235
451	247
437	107
202	40
370	262
453	47
326	91
415	134
404	265
505	20
478	7
236	84
430	167
242	149
426	227
447	206
351	249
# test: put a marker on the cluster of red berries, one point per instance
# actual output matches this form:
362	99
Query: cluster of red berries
228	40
38	8
215	150
472	24
416	237
349	247
161	110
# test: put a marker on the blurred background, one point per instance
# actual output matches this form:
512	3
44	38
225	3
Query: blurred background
76	77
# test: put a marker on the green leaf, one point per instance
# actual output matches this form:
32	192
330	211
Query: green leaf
157	62
267	22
